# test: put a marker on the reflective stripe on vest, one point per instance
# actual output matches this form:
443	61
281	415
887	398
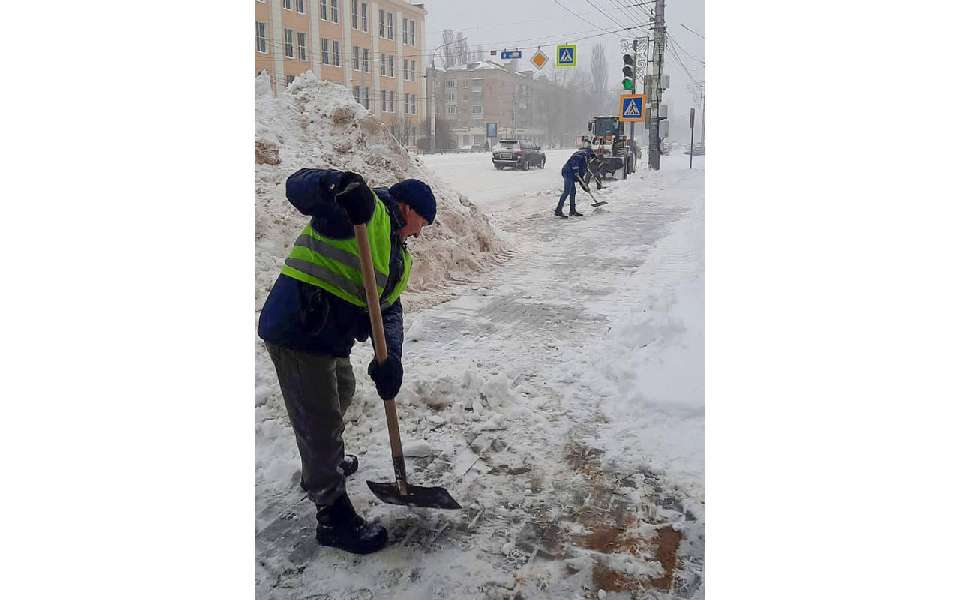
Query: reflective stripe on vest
334	264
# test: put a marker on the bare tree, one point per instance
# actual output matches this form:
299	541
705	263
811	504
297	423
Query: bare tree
463	49
449	49
598	68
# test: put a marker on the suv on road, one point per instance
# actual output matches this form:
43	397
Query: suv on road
518	154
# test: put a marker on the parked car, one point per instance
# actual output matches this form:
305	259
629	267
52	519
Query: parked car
518	154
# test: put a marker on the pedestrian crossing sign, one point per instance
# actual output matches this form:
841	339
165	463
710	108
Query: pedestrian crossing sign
632	108
567	55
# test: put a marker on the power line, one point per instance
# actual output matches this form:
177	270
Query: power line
590	2
557	2
682	49
693	31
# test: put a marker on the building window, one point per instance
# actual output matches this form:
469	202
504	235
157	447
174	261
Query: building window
451	83
325	51
300	7
478	140
261	37
406	70
383	24
477	109
354	14
452	109
366	60
287	4
323	10
413	104
451	95
356	59
390	71
383	100
365	95
290	79
356	93
406	37
389	25
383	65
334	11
288	43
413	32
413	70
336	53
302	46
363	15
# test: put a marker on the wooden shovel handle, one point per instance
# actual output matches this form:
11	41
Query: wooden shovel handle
380	349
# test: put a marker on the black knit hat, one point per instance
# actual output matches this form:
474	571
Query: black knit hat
417	195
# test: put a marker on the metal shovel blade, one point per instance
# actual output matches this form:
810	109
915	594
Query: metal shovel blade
425	497
601	203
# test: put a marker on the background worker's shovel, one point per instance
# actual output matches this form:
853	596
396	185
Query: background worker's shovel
399	492
586	188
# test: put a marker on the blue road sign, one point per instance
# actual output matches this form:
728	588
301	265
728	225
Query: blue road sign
510	54
632	107
567	55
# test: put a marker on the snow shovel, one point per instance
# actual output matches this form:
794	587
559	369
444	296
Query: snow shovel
586	188
399	492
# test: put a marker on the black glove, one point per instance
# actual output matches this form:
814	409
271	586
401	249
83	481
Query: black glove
583	186
355	198
387	376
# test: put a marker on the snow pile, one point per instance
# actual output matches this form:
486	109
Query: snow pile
317	123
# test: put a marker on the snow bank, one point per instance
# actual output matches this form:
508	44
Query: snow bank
652	362
317	123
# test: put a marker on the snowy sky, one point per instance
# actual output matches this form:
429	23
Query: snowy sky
509	23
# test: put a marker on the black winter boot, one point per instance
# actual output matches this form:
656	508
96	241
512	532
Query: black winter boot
559	213
349	464
338	525
574	213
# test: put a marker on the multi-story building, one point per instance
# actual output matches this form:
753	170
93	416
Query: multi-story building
470	96
374	48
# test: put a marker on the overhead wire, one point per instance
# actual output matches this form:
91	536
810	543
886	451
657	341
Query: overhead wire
603	12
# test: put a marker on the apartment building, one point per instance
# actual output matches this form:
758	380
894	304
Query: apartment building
472	95
373	48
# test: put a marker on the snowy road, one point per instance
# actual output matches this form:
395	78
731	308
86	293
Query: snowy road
475	176
559	397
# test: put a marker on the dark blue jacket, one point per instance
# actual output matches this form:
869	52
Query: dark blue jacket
307	318
576	164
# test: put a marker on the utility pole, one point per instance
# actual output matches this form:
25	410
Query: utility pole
432	99
703	120
653	91
633	90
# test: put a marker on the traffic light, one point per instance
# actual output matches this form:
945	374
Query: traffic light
629	70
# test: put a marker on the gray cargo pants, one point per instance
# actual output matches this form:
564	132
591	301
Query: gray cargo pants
317	390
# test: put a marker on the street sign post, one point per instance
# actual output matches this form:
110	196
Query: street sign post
632	108
566	55
510	54
691	137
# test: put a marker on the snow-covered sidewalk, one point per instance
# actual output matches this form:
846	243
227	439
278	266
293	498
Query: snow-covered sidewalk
558	397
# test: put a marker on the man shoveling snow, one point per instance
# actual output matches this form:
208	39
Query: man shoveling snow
315	312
